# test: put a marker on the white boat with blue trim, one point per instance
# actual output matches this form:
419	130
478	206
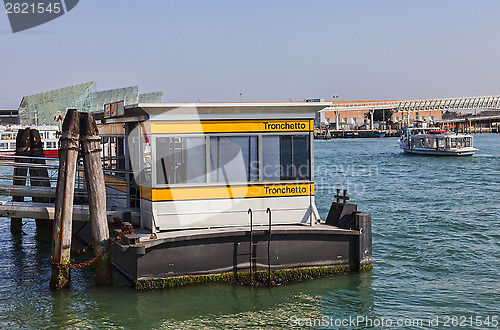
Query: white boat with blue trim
436	142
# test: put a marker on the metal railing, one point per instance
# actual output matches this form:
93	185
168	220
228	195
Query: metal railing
8	162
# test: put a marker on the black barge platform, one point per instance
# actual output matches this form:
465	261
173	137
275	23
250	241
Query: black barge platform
296	252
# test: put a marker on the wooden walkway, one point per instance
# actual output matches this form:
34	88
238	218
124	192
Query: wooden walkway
31	210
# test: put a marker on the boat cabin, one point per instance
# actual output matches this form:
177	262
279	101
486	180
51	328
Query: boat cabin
433	141
204	165
442	141
48	134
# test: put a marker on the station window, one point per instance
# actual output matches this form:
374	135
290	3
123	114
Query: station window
222	159
140	155
233	159
286	157
180	160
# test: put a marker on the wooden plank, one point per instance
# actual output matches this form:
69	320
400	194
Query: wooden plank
30	210
28	191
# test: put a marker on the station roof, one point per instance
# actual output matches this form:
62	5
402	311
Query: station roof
207	111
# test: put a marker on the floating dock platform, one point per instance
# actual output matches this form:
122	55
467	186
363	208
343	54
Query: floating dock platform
225	254
215	192
225	191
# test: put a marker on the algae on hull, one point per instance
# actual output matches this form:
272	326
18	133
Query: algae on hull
259	278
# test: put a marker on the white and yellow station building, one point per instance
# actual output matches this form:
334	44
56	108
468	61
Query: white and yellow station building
204	165
198	174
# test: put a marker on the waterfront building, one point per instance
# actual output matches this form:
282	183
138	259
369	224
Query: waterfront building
352	119
9	117
422	115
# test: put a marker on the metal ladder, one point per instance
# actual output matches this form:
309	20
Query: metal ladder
253	245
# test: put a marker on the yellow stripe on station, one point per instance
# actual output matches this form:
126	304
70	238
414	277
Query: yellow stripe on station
232	126
227	192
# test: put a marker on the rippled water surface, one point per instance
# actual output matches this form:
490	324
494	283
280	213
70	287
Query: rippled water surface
436	250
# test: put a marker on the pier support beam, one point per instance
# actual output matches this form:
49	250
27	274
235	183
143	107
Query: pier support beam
96	191
61	239
20	174
363	254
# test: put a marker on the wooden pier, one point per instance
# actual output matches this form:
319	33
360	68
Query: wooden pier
472	124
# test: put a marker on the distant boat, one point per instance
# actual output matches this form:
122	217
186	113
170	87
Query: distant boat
50	140
365	134
436	142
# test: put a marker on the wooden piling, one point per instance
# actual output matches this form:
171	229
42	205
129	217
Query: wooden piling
96	191
39	176
20	173
63	217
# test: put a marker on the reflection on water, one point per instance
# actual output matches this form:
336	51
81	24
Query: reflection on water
435	246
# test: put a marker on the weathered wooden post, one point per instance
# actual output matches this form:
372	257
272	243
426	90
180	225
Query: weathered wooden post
39	175
96	191
63	217
363	242
20	173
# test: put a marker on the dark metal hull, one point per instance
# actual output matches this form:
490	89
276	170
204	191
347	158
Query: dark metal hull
219	251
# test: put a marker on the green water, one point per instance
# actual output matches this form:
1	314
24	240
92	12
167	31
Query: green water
436	254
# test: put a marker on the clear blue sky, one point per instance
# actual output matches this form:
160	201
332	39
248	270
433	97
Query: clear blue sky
268	50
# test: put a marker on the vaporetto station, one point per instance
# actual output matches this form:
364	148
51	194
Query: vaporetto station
212	181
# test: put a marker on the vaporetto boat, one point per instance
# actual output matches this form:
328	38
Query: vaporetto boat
48	134
435	142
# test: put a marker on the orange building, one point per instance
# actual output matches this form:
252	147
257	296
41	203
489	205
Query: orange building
423	115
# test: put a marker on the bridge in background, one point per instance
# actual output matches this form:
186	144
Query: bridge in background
461	103
407	106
